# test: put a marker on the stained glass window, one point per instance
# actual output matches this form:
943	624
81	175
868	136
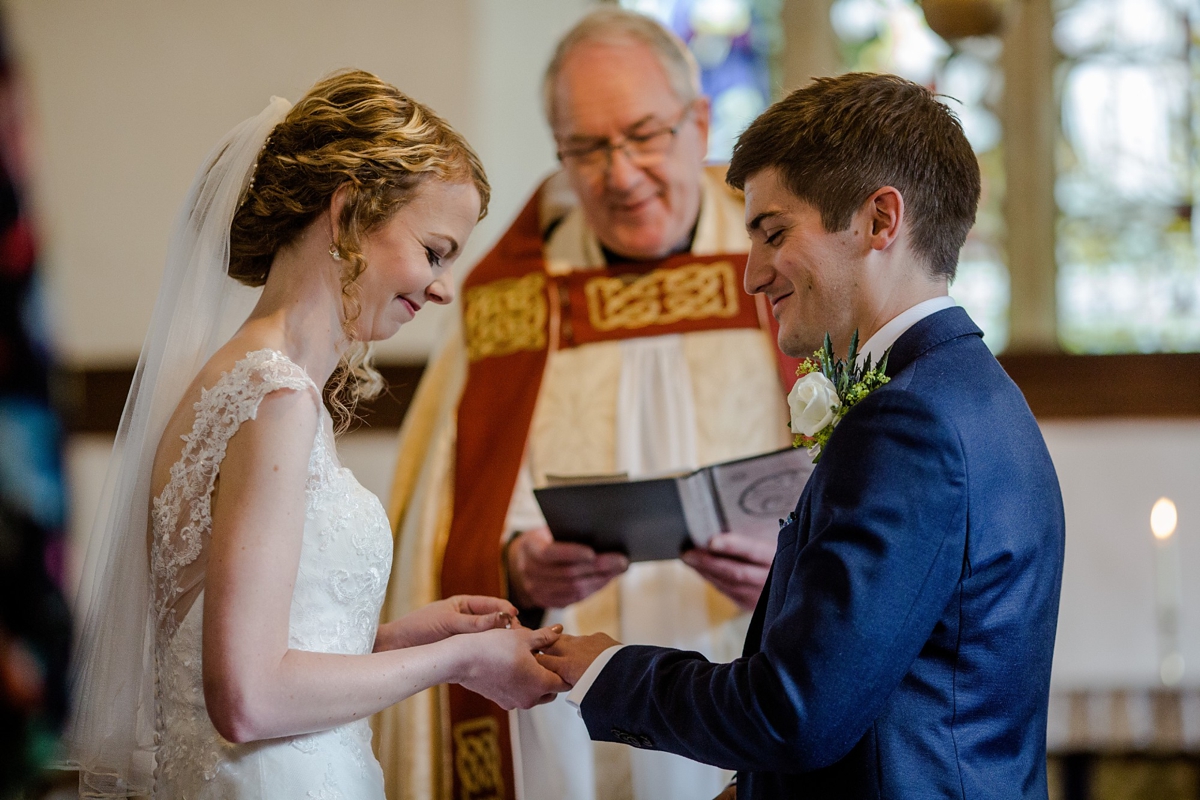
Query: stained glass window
891	36
1128	266
734	42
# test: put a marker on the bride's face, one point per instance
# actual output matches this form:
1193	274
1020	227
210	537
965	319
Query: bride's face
409	257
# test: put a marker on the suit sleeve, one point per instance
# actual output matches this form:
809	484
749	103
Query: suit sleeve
886	550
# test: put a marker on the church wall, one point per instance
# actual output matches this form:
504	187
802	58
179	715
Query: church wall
1111	473
129	95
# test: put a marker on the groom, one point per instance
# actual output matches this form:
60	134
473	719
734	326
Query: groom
902	645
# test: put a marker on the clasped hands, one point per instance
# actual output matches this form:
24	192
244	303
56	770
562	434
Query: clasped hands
518	667
505	662
493	654
514	666
544	573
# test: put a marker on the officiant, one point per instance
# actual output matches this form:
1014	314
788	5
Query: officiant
606	332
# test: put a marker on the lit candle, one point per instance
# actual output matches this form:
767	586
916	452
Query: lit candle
1168	590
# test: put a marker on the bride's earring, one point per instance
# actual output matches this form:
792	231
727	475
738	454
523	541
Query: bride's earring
335	252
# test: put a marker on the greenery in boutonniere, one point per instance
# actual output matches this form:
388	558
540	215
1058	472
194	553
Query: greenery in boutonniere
828	388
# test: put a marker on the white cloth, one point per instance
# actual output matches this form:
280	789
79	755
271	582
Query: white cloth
110	736
344	560
656	413
661	603
886	336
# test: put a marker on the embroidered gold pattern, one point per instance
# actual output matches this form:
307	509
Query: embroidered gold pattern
477	759
664	296
505	316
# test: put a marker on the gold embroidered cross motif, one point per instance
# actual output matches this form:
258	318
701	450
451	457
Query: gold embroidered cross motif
477	759
664	296
505	316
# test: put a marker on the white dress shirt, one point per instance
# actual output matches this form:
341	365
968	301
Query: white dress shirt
886	336
880	341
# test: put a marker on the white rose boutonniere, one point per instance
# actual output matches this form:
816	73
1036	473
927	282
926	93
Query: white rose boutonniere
813	402
827	389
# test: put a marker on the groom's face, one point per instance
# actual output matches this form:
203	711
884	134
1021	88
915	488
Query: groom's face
813	278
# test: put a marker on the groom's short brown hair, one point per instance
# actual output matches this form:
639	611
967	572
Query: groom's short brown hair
838	140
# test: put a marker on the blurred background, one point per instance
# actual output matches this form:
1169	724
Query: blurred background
1083	268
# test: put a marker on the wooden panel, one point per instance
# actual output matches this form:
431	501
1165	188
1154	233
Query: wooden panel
1156	385
1056	386
92	399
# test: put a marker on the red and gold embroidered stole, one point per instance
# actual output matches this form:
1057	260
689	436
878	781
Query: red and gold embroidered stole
514	315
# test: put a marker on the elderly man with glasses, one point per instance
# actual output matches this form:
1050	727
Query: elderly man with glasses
609	333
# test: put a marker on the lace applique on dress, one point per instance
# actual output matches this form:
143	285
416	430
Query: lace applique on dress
345	559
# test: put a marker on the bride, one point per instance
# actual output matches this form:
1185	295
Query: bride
231	645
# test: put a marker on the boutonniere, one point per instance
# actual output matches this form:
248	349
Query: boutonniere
828	388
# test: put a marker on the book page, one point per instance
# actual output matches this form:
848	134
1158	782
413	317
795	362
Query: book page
757	493
699	507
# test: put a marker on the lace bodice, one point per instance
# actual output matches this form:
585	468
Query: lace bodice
344	565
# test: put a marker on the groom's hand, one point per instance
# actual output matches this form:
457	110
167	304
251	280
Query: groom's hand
737	565
570	656
543	573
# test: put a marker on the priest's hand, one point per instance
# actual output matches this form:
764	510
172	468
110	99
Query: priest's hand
543	573
436	621
730	793
737	565
570	656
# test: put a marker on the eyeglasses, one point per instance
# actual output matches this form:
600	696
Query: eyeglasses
642	149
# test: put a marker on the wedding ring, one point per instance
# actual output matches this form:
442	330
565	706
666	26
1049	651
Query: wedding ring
508	620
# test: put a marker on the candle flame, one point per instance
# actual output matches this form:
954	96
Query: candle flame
1163	518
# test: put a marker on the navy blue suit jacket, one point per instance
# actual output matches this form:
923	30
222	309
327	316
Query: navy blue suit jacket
902	645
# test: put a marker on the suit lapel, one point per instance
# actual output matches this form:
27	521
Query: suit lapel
927	333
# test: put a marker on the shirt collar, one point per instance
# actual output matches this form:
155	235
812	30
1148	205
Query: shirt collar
886	336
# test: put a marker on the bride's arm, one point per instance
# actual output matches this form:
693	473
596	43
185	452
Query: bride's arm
255	687
462	613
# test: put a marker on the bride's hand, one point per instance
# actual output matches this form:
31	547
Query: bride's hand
500	665
437	621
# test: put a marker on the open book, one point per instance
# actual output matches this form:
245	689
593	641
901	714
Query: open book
658	518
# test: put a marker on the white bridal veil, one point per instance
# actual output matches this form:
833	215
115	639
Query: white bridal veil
111	733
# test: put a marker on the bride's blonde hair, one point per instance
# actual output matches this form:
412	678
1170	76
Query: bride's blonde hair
354	130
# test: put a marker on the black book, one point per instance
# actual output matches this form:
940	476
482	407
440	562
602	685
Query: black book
658	518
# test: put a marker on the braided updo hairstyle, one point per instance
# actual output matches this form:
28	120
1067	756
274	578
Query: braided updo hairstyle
354	130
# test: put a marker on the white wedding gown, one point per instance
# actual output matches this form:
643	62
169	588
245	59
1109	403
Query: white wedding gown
345	560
